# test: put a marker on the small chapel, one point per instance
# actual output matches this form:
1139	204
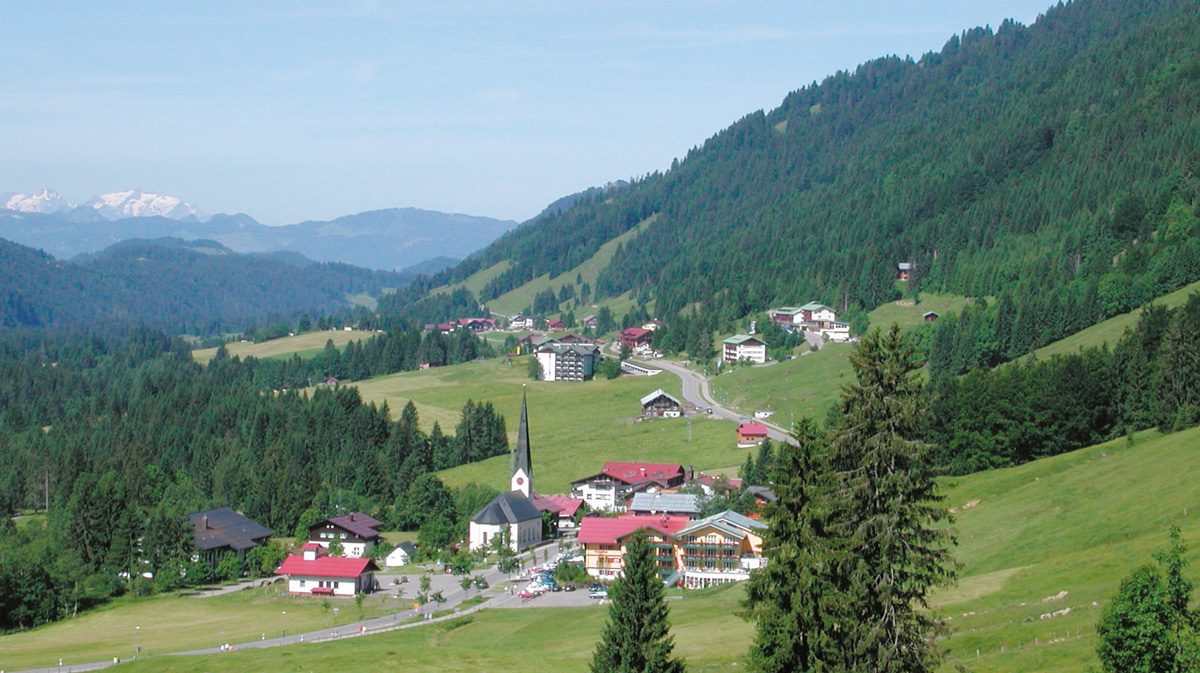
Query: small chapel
513	512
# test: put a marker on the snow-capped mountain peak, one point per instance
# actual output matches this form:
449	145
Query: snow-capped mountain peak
136	203
45	201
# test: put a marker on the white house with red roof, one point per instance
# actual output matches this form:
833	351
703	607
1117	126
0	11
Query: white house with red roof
355	531
608	488
313	572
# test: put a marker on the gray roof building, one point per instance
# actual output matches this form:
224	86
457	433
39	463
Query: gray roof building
506	508
222	527
665	503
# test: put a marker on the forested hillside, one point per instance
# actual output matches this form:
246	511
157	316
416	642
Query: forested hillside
199	287
123	436
1055	163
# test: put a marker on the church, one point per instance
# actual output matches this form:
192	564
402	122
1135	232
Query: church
513	512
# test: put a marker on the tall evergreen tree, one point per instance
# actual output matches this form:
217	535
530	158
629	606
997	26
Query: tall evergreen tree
637	637
886	511
791	601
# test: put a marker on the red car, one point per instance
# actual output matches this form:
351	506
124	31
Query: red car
526	595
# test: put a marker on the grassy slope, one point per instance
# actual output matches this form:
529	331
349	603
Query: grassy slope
309	343
810	384
575	426
517	299
1111	330
477	280
1076	523
172	623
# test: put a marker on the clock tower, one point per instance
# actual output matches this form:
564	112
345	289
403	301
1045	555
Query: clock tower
522	466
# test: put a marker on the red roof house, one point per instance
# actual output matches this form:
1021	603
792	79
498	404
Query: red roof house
556	325
312	573
751	433
636	337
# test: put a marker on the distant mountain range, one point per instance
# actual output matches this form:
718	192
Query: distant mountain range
392	239
112	206
194	287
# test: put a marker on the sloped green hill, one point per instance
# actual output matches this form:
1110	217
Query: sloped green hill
1043	161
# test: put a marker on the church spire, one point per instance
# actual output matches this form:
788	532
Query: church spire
522	465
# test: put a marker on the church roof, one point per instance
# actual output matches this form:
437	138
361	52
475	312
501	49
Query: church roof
520	457
511	507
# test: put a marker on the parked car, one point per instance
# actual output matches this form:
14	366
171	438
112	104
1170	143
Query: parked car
526	594
569	587
602	593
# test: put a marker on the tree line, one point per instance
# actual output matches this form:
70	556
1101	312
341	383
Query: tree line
1034	408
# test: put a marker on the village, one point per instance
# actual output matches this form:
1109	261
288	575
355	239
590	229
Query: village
345	555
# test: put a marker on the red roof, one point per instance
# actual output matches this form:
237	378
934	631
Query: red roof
752	430
601	530
557	503
311	546
325	566
709	480
635	333
556	325
633	473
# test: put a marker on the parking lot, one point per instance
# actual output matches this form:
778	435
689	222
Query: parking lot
553	599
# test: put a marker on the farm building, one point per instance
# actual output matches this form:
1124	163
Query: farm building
662	404
904	270
750	434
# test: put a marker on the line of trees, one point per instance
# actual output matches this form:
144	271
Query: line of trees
1027	410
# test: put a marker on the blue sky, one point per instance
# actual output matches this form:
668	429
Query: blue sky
292	111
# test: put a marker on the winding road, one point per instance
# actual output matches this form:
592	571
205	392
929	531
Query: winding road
697	393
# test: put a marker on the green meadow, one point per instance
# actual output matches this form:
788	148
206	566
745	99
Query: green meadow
574	426
177	622
308	344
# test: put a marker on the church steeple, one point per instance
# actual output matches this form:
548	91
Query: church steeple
522	465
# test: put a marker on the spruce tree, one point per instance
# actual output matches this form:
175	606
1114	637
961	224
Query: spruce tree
637	637
886	511
791	601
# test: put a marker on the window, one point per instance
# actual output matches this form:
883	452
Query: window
301	582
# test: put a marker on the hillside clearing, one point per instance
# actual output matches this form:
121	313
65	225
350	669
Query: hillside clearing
1110	331
575	427
309	342
809	385
517	299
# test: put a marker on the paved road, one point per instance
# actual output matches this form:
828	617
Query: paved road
696	392
447	584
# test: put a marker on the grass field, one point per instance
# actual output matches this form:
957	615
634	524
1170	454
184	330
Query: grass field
307	344
575	427
1110	331
550	639
173	623
805	386
808	385
1076	523
475	281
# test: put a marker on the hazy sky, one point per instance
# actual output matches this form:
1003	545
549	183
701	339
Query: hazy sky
292	111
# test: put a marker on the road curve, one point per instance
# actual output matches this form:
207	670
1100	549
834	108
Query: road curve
696	392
